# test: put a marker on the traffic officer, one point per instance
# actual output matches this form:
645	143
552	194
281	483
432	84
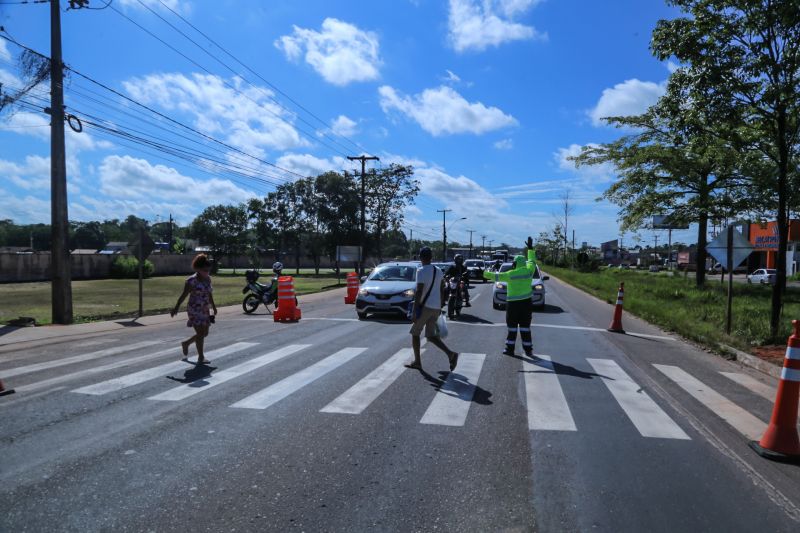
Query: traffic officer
519	307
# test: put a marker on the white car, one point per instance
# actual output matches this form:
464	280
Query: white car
763	275
388	289
499	289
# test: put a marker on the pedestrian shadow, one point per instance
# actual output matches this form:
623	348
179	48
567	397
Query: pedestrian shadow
469	319
549	309
480	396
198	373
550	367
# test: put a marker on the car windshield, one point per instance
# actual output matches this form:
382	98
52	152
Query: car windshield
473	263
771	271
394	273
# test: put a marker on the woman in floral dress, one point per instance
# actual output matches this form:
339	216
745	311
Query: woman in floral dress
198	288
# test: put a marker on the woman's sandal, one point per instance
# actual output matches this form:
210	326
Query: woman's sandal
415	366
184	348
204	361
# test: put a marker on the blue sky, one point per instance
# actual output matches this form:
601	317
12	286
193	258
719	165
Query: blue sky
486	98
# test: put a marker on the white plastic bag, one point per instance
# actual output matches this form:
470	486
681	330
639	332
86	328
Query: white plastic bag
441	325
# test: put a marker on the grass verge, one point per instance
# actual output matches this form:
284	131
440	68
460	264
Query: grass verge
118	298
675	304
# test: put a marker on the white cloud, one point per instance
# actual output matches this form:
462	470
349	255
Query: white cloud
5	55
341	53
443	111
504	144
24	209
36	125
602	174
479	24
631	97
451	76
309	165
343	125
245	118
128	178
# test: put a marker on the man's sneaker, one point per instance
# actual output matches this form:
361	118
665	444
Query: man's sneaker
529	354
467	304
508	351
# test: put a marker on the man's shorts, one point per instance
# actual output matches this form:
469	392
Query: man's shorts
427	320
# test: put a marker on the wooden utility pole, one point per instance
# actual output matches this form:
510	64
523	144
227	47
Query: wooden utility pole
483	244
60	272
444	231
363	159
471	231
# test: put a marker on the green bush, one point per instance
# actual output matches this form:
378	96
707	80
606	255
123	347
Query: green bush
128	268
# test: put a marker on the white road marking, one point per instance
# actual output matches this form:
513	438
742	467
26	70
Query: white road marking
358	397
98	369
547	406
123	382
280	390
646	415
559	326
744	422
451	404
10	372
184	391
762	389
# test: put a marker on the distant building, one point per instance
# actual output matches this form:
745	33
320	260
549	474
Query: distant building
114	248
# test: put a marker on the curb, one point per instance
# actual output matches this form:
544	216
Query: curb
754	362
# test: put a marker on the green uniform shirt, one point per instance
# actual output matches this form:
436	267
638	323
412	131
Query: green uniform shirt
518	280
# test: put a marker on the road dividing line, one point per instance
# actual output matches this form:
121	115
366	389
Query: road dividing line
451	404
74	359
104	387
646	415
762	389
745	423
358	397
190	389
547	406
128	361
280	390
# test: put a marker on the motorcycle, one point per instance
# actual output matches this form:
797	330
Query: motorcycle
455	296
258	293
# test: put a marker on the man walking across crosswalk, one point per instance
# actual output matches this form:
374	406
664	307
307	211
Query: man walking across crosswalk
519	307
427	307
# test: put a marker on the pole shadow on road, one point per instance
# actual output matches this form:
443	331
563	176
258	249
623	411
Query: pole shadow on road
195	375
558	368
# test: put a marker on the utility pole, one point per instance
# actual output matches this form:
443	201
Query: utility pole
444	231
363	159
655	250
61	275
483	244
411	244
169	237
471	231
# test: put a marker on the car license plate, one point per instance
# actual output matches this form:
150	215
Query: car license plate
383	305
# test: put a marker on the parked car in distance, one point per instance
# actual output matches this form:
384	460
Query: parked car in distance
442	266
499	289
475	268
653	268
762	276
389	288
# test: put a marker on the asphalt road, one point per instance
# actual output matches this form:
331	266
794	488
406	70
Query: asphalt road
315	426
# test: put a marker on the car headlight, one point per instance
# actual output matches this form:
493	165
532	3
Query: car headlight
408	293
363	292
499	285
538	287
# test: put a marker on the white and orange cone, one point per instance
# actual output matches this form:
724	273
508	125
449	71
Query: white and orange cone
616	322
781	441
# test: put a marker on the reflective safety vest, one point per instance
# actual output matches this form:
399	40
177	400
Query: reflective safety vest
518	280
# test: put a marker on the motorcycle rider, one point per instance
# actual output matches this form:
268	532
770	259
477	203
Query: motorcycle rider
519	307
277	269
459	272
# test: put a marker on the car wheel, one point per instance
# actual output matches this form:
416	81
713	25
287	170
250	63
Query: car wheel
495	306
749	281
361	316
761	281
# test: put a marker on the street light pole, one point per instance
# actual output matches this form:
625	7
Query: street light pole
471	231
444	231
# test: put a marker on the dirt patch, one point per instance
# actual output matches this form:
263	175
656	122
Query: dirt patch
773	353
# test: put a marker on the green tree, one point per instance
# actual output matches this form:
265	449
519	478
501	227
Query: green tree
389	191
89	235
223	228
742	59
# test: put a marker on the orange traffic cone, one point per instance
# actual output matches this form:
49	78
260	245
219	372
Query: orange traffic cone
780	441
3	390
616	323
352	288
287	310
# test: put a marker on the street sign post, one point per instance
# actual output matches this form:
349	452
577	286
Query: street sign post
730	248
348	254
142	246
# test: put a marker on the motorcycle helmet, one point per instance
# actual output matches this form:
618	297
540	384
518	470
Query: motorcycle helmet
277	267
459	259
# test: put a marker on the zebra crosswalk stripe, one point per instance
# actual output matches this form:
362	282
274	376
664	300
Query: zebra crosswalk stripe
111	385
190	389
18	371
358	397
280	390
544	398
643	412
451	404
762	389
744	422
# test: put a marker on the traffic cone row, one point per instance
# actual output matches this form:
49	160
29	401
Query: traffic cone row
287	310
616	322
3	390
352	288
780	441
